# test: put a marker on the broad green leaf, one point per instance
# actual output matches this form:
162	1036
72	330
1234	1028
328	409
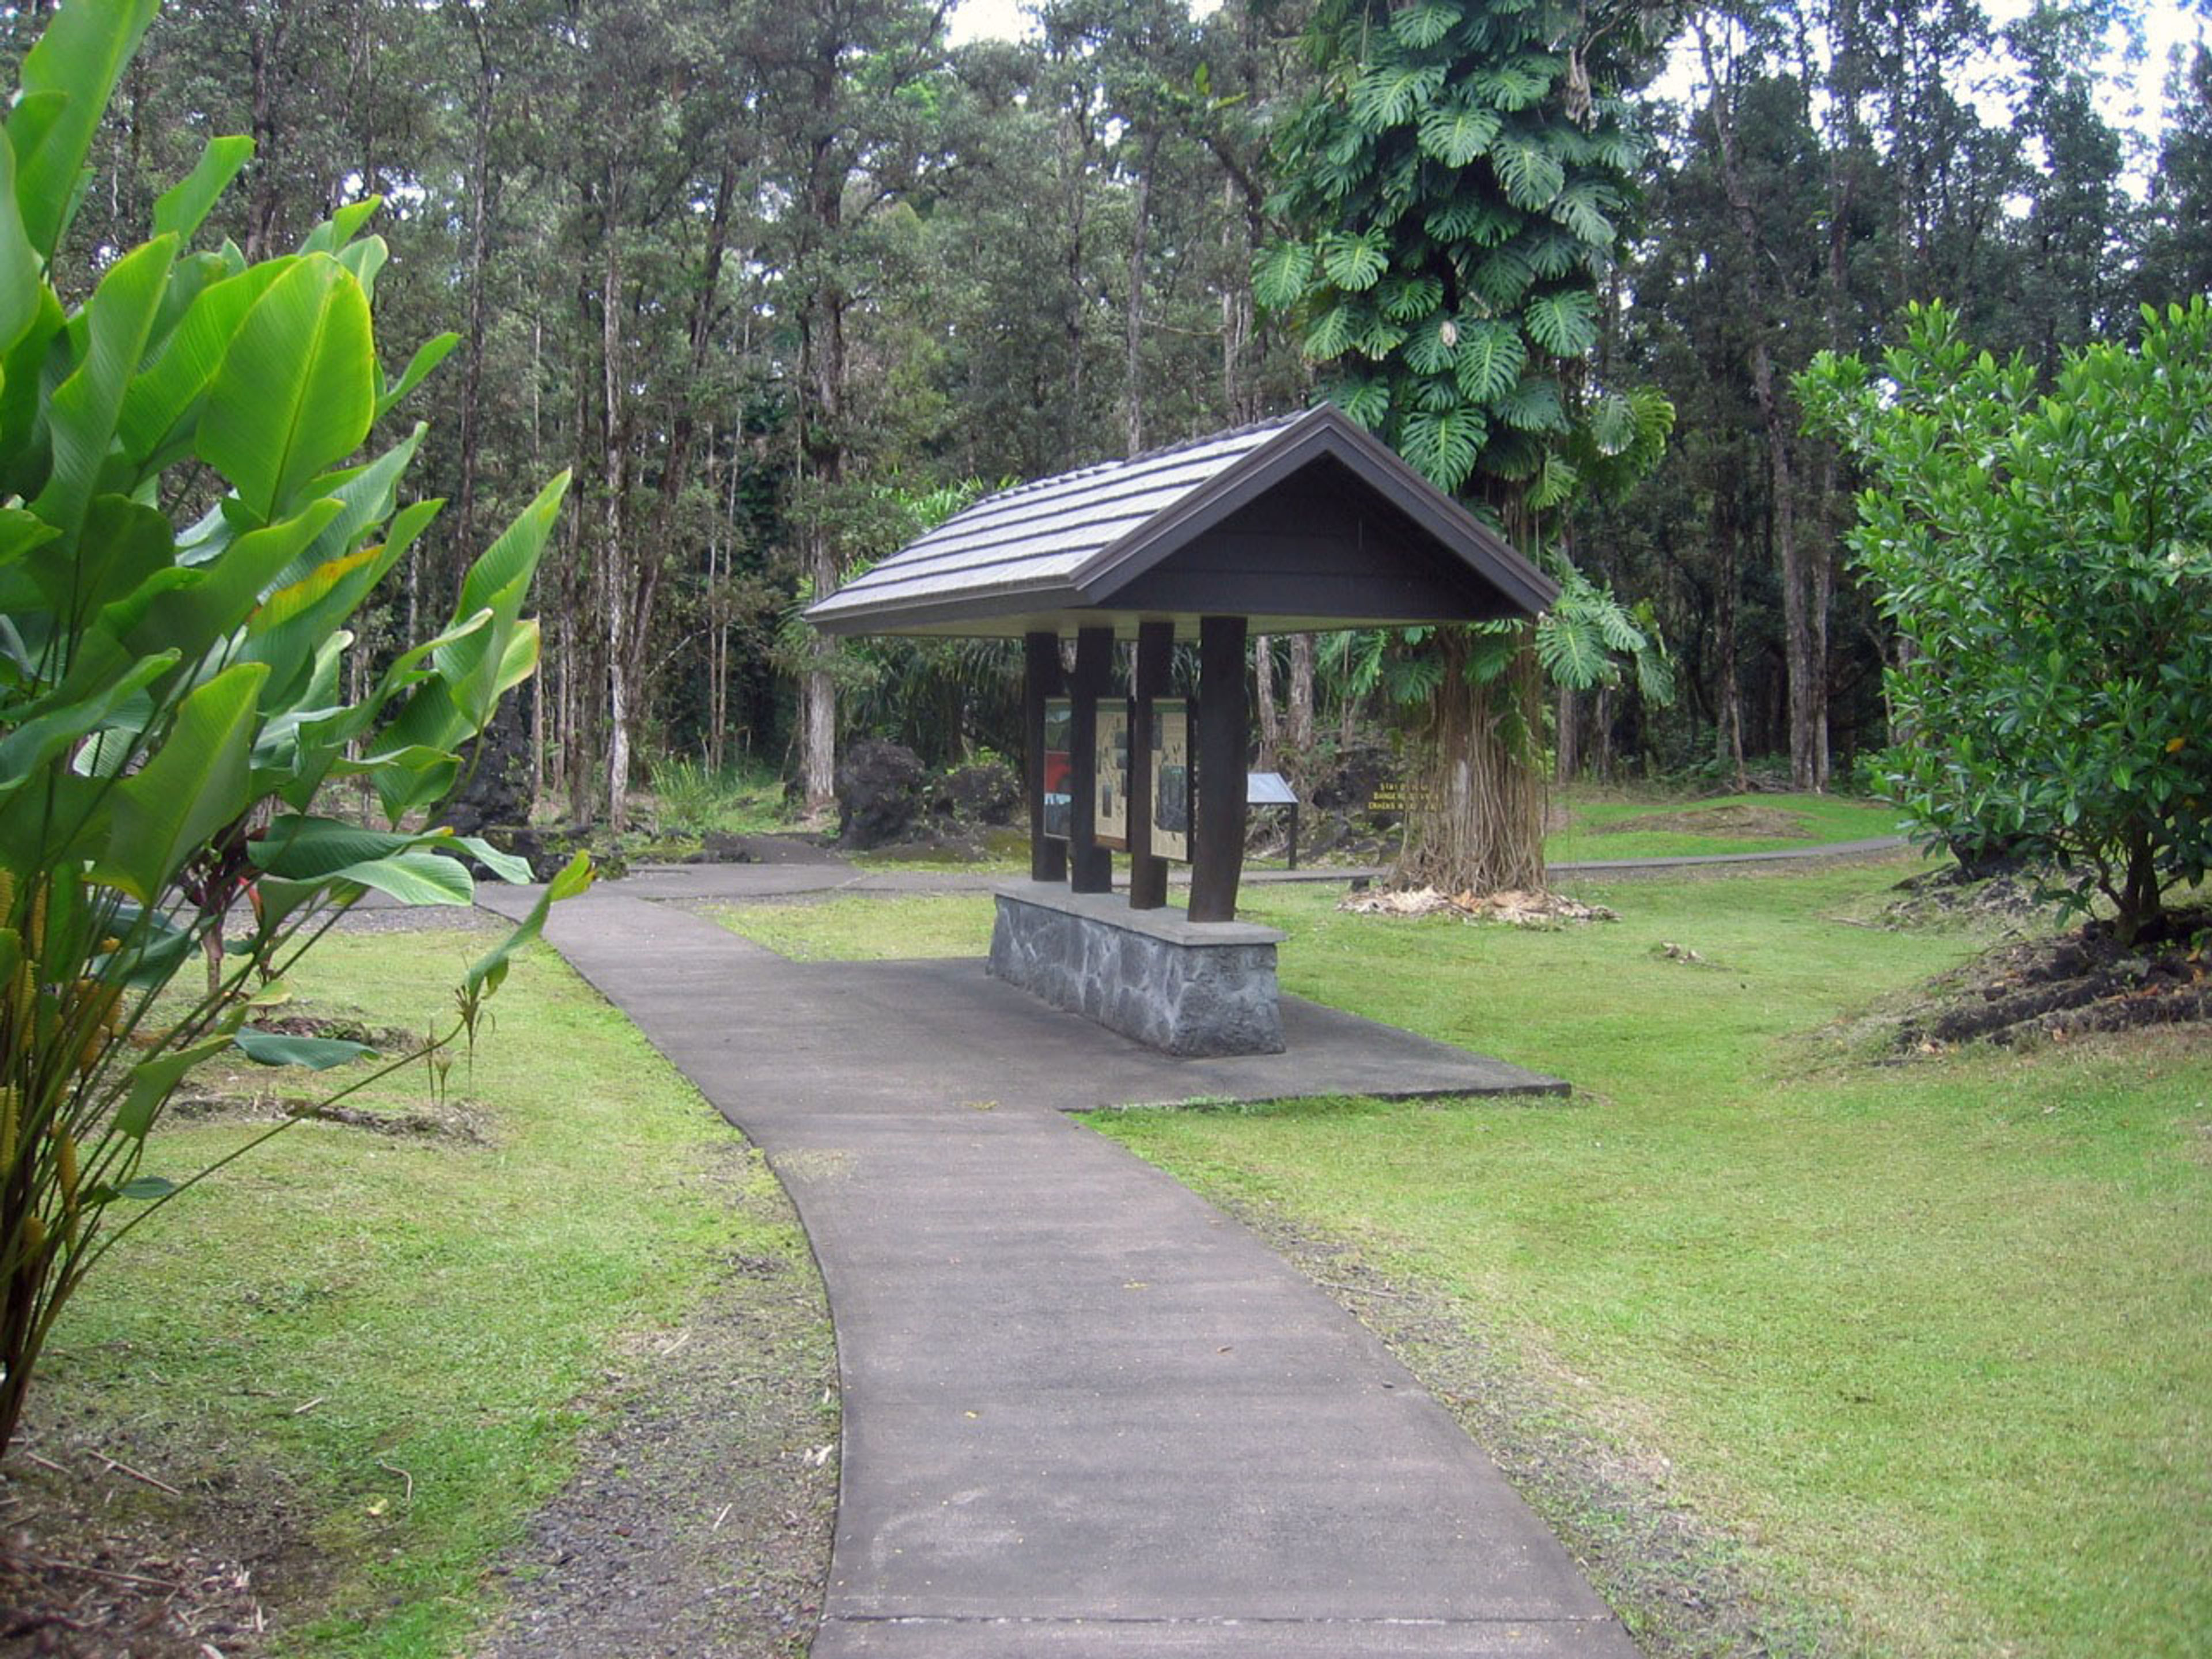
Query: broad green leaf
1354	262
293	622
1516	85
316	1054
1424	24
1613	423
1582	207
1392	92
1409	299
1330	334
1489	359
1472	218
26	443
147	1188
1367	400
153	1081
179	209
1564	323
191	609
1442	443
1431	348
516	872
426	358
1570	650
34	742
1533	405
1531	175
364	259
489	971
21	277
342	227
417	877
82	415
123	546
162	404
194	784
1456	133
1556	482
1280	273
419	775
296	391
303	848
1502	276
66	81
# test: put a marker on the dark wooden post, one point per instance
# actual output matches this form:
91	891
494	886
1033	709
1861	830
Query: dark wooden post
1148	876
1041	652
1089	866
1217	852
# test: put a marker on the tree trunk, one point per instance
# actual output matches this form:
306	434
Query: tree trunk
1566	736
1476	823
1728	717
1301	693
479	184
1806	679
1263	699
1133	387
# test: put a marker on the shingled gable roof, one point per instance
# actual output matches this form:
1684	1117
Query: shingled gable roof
1101	545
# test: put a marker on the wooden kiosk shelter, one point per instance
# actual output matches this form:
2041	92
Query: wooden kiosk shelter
1301	524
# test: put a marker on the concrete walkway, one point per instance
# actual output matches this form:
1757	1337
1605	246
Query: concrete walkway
1084	1413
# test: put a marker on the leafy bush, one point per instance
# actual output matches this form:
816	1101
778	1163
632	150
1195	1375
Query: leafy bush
2047	562
170	694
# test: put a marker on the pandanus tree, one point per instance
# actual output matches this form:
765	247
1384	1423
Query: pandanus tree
1457	184
170	686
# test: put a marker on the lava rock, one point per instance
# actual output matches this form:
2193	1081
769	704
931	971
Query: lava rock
879	793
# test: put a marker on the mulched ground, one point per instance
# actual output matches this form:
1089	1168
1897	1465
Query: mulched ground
2070	985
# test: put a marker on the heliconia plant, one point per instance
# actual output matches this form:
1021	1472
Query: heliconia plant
170	692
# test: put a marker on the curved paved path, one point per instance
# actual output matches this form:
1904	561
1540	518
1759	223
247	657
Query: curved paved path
1084	1413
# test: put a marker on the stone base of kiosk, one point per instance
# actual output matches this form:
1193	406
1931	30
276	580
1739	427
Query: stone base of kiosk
1197	989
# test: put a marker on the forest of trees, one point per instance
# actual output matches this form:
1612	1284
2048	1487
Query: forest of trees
781	279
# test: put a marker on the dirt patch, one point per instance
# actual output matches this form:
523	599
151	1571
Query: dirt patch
1762	822
2067	984
1515	910
1686	1589
116	1542
699	1522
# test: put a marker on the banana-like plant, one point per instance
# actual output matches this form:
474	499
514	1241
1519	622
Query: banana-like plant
170	701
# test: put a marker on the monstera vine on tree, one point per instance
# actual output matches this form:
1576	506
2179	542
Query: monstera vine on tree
170	701
1457	187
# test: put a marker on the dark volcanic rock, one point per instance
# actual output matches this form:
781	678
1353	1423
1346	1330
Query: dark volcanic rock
495	786
879	793
988	791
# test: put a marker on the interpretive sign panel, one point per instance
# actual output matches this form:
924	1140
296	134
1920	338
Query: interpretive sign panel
1059	772
1171	791
1109	817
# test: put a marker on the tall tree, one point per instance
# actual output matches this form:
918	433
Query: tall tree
1460	180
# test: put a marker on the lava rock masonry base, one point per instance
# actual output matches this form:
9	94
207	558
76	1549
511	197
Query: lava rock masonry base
1196	990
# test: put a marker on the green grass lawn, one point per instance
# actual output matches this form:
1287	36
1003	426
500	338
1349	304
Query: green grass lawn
387	1340
1610	826
1931	1341
1935	1339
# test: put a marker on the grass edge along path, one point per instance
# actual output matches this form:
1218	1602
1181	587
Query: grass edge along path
395	1342
1934	1340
